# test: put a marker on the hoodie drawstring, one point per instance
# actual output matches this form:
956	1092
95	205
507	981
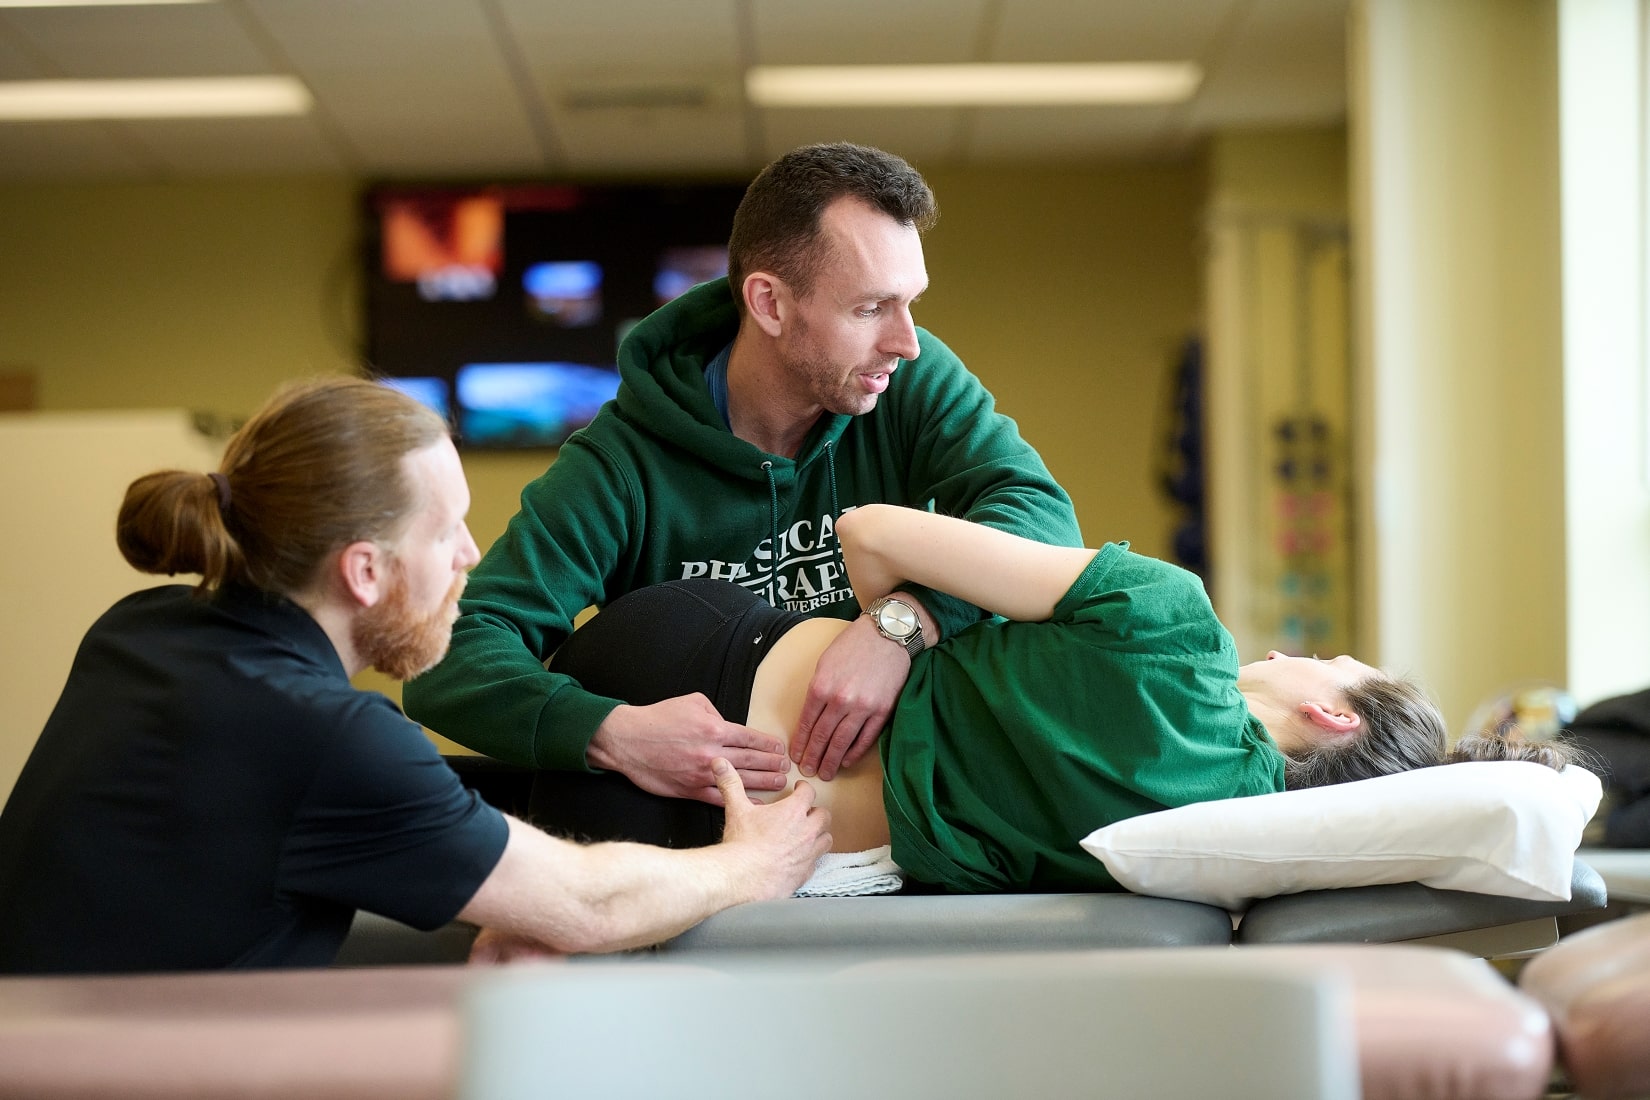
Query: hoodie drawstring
773	531
773	521
836	508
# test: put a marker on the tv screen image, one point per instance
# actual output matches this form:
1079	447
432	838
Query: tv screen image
530	404
502	305
567	293
431	391
449	246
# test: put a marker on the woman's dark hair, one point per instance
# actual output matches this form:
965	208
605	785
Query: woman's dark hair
317	468
776	228
1402	729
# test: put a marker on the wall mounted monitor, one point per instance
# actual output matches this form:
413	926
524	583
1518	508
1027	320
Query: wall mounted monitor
502	305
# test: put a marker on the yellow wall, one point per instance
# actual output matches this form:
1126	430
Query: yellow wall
1455	144
1070	293
62	476
1602	70
201	295
1068	290
1278	283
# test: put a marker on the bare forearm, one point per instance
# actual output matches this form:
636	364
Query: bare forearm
651	894
605	897
884	545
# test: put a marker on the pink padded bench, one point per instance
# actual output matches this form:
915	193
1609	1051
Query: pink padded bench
1596	987
368	1034
1428	1022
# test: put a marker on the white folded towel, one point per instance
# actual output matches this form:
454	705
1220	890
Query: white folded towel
851	874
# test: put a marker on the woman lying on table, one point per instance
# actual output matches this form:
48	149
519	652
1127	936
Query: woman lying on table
1108	689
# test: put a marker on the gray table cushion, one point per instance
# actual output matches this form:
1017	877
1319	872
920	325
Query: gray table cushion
907	924
1402	911
1626	872
1010	922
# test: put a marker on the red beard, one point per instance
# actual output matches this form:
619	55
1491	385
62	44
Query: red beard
400	641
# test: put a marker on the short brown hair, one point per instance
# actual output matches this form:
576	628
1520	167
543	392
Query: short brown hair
776	227
318	467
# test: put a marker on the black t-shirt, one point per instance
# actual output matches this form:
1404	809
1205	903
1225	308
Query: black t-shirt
210	791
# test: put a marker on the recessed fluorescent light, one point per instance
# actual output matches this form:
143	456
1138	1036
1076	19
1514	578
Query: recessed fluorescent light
205	97
90	3
970	85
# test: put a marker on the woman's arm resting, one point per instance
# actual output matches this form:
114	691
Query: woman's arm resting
608	897
886	547
1018	578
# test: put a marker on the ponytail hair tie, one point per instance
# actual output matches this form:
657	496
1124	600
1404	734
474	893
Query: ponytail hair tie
222	483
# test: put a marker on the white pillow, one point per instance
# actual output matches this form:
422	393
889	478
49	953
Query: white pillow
1491	827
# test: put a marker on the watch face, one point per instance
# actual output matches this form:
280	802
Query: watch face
898	619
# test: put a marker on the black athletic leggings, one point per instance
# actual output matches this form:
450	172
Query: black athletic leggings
649	645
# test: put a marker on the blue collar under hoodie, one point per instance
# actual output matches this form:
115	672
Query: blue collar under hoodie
662	367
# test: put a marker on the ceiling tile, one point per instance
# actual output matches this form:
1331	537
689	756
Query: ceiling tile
1285	64
866	31
116	42
220	146
621	102
17	60
465	88
618	38
1061	30
626	141
414	86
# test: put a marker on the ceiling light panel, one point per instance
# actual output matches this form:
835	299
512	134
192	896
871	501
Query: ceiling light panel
93	3
206	97
971	85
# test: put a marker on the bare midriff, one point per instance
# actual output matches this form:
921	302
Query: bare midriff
854	797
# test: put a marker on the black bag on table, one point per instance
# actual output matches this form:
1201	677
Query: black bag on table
1617	733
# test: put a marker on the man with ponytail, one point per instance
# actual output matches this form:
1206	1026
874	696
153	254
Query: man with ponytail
210	791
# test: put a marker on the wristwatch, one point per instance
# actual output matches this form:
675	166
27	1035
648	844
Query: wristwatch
897	621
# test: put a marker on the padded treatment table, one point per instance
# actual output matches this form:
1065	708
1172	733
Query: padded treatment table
1428	1024
904	924
1626	872
1480	924
1596	987
1423	1024
922	1028
379	1034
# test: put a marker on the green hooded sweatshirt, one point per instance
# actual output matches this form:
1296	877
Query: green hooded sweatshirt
657	488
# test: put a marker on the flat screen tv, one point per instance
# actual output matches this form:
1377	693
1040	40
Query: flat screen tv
502	305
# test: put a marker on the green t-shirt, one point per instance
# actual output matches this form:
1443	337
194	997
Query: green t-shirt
1014	740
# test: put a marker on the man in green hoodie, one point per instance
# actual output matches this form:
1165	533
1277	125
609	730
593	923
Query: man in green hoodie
752	412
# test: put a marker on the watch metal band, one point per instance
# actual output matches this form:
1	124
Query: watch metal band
913	642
